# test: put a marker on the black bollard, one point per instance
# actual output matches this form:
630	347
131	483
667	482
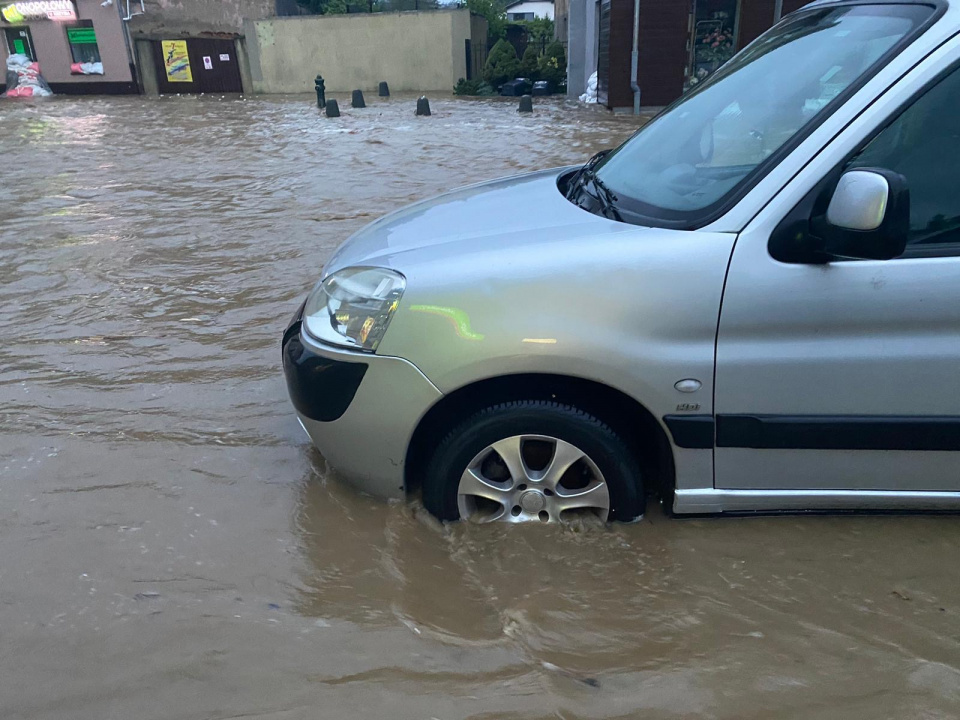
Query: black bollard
526	104
423	106
384	90
320	86
333	110
358	99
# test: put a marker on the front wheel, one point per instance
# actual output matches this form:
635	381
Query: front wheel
533	461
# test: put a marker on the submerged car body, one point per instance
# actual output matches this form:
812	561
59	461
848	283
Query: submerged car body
765	323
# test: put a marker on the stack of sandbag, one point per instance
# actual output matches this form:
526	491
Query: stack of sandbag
590	96
24	78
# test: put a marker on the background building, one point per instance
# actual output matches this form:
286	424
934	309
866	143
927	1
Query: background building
80	45
529	10
194	46
681	42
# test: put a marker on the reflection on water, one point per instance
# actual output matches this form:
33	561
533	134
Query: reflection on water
172	547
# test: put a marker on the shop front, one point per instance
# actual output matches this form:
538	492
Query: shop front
81	46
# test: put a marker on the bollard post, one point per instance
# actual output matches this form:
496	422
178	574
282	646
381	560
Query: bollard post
333	110
357	101
321	88
526	104
384	90
423	106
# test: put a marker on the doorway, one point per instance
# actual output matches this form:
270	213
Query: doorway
20	42
197	65
714	38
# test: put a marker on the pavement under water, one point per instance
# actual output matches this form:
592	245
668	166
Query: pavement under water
172	547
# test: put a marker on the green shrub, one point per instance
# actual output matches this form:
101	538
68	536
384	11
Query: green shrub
502	64
472	87
529	66
553	65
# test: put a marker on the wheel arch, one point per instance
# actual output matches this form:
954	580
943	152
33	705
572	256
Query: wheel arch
635	424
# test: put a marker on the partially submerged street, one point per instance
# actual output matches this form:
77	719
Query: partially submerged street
171	547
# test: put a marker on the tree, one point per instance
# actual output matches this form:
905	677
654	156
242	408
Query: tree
553	65
539	31
529	66
324	7
502	64
395	5
340	7
495	13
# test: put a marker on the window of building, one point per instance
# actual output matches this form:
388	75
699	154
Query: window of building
83	42
19	42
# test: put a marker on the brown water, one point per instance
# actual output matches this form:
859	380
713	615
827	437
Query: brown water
171	547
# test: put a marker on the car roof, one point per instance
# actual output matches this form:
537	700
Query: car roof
819	3
950	8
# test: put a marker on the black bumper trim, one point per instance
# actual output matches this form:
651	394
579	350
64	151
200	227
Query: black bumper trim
691	431
320	388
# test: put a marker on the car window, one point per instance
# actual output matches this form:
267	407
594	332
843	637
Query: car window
923	145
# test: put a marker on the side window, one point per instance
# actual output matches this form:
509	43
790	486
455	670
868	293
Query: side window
923	145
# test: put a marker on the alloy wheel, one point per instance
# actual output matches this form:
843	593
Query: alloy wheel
528	478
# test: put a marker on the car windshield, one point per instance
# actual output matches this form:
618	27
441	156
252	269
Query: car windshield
687	162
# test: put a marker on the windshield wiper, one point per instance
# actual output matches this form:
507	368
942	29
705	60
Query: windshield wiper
592	186
601	194
574	185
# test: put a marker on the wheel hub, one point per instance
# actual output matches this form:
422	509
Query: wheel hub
533	501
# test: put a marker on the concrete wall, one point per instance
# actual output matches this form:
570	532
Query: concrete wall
53	51
412	51
192	18
577	73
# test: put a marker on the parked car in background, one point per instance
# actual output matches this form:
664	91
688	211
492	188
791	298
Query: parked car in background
752	304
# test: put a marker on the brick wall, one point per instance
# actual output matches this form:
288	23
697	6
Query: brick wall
663	50
756	16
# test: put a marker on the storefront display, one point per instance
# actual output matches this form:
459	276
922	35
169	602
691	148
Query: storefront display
81	44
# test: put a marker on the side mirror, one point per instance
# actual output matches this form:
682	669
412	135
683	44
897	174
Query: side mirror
868	217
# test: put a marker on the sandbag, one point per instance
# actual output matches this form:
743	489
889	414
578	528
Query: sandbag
24	78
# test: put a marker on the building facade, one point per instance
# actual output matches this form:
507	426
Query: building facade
195	46
680	43
529	10
81	46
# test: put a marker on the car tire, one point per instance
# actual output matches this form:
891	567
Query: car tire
603	448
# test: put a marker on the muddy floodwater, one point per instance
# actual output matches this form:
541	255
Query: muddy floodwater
172	548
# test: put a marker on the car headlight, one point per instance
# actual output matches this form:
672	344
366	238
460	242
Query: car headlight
353	307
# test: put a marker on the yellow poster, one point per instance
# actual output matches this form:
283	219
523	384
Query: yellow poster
176	60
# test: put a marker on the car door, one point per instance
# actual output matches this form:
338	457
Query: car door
838	384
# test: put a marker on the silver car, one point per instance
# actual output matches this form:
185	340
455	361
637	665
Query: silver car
751	305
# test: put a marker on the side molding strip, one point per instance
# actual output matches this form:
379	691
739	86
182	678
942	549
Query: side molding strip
816	432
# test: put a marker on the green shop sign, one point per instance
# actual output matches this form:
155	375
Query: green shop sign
81	36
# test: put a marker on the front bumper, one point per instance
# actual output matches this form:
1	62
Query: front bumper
360	410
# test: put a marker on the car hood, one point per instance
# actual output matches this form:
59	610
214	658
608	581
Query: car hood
510	211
